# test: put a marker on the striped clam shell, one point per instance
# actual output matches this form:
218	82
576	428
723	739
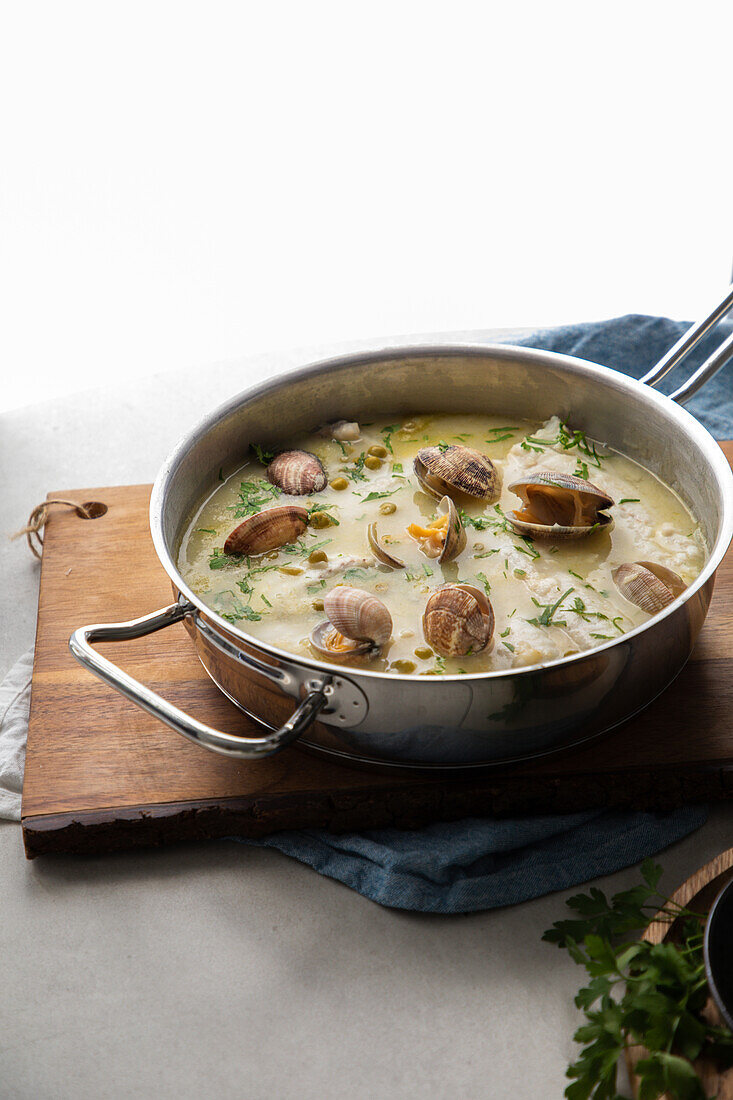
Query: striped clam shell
359	615
358	624
297	473
650	586
443	471
267	530
458	620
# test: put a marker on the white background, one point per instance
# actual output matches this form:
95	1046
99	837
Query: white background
186	183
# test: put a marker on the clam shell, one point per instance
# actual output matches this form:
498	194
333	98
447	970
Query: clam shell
667	576
267	530
558	532
359	615
379	551
327	640
297	473
442	472
650	586
455	538
558	506
480	597
458	620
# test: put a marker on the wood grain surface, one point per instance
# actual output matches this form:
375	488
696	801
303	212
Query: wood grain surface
698	894
102	774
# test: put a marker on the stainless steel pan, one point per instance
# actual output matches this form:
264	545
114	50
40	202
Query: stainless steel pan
449	722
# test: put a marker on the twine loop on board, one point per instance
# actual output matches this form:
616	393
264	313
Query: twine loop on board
39	517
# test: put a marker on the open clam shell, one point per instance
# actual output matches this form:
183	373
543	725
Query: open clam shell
267	530
650	586
358	623
297	473
443	538
458	620
558	532
559	506
442	471
380	553
454	542
329	642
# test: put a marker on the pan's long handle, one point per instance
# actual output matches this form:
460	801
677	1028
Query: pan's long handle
685	344
244	748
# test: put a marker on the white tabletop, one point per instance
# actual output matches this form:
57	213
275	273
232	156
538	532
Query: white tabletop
214	969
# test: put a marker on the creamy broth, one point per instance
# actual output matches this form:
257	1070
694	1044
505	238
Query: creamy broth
550	598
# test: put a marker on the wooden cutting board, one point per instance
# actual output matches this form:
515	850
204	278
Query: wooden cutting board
101	774
698	894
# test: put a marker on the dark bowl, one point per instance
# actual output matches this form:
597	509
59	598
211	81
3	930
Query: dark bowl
718	952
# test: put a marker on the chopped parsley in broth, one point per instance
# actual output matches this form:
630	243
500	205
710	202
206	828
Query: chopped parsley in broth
536	597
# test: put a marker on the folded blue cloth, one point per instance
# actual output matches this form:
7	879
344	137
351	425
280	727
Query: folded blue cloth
477	863
473	864
633	344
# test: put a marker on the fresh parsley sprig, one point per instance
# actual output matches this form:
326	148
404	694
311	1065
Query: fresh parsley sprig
380	496
356	471
497	435
262	454
485	582
219	560
640	993
326	511
548	612
568	439
387	434
254	495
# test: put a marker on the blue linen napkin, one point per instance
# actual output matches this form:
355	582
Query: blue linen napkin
480	863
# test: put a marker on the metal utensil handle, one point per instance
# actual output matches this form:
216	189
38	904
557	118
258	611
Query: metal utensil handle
244	748
685	344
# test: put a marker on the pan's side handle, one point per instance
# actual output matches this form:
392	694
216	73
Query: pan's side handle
244	748
685	344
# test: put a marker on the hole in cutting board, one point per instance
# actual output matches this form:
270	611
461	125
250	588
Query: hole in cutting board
94	509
